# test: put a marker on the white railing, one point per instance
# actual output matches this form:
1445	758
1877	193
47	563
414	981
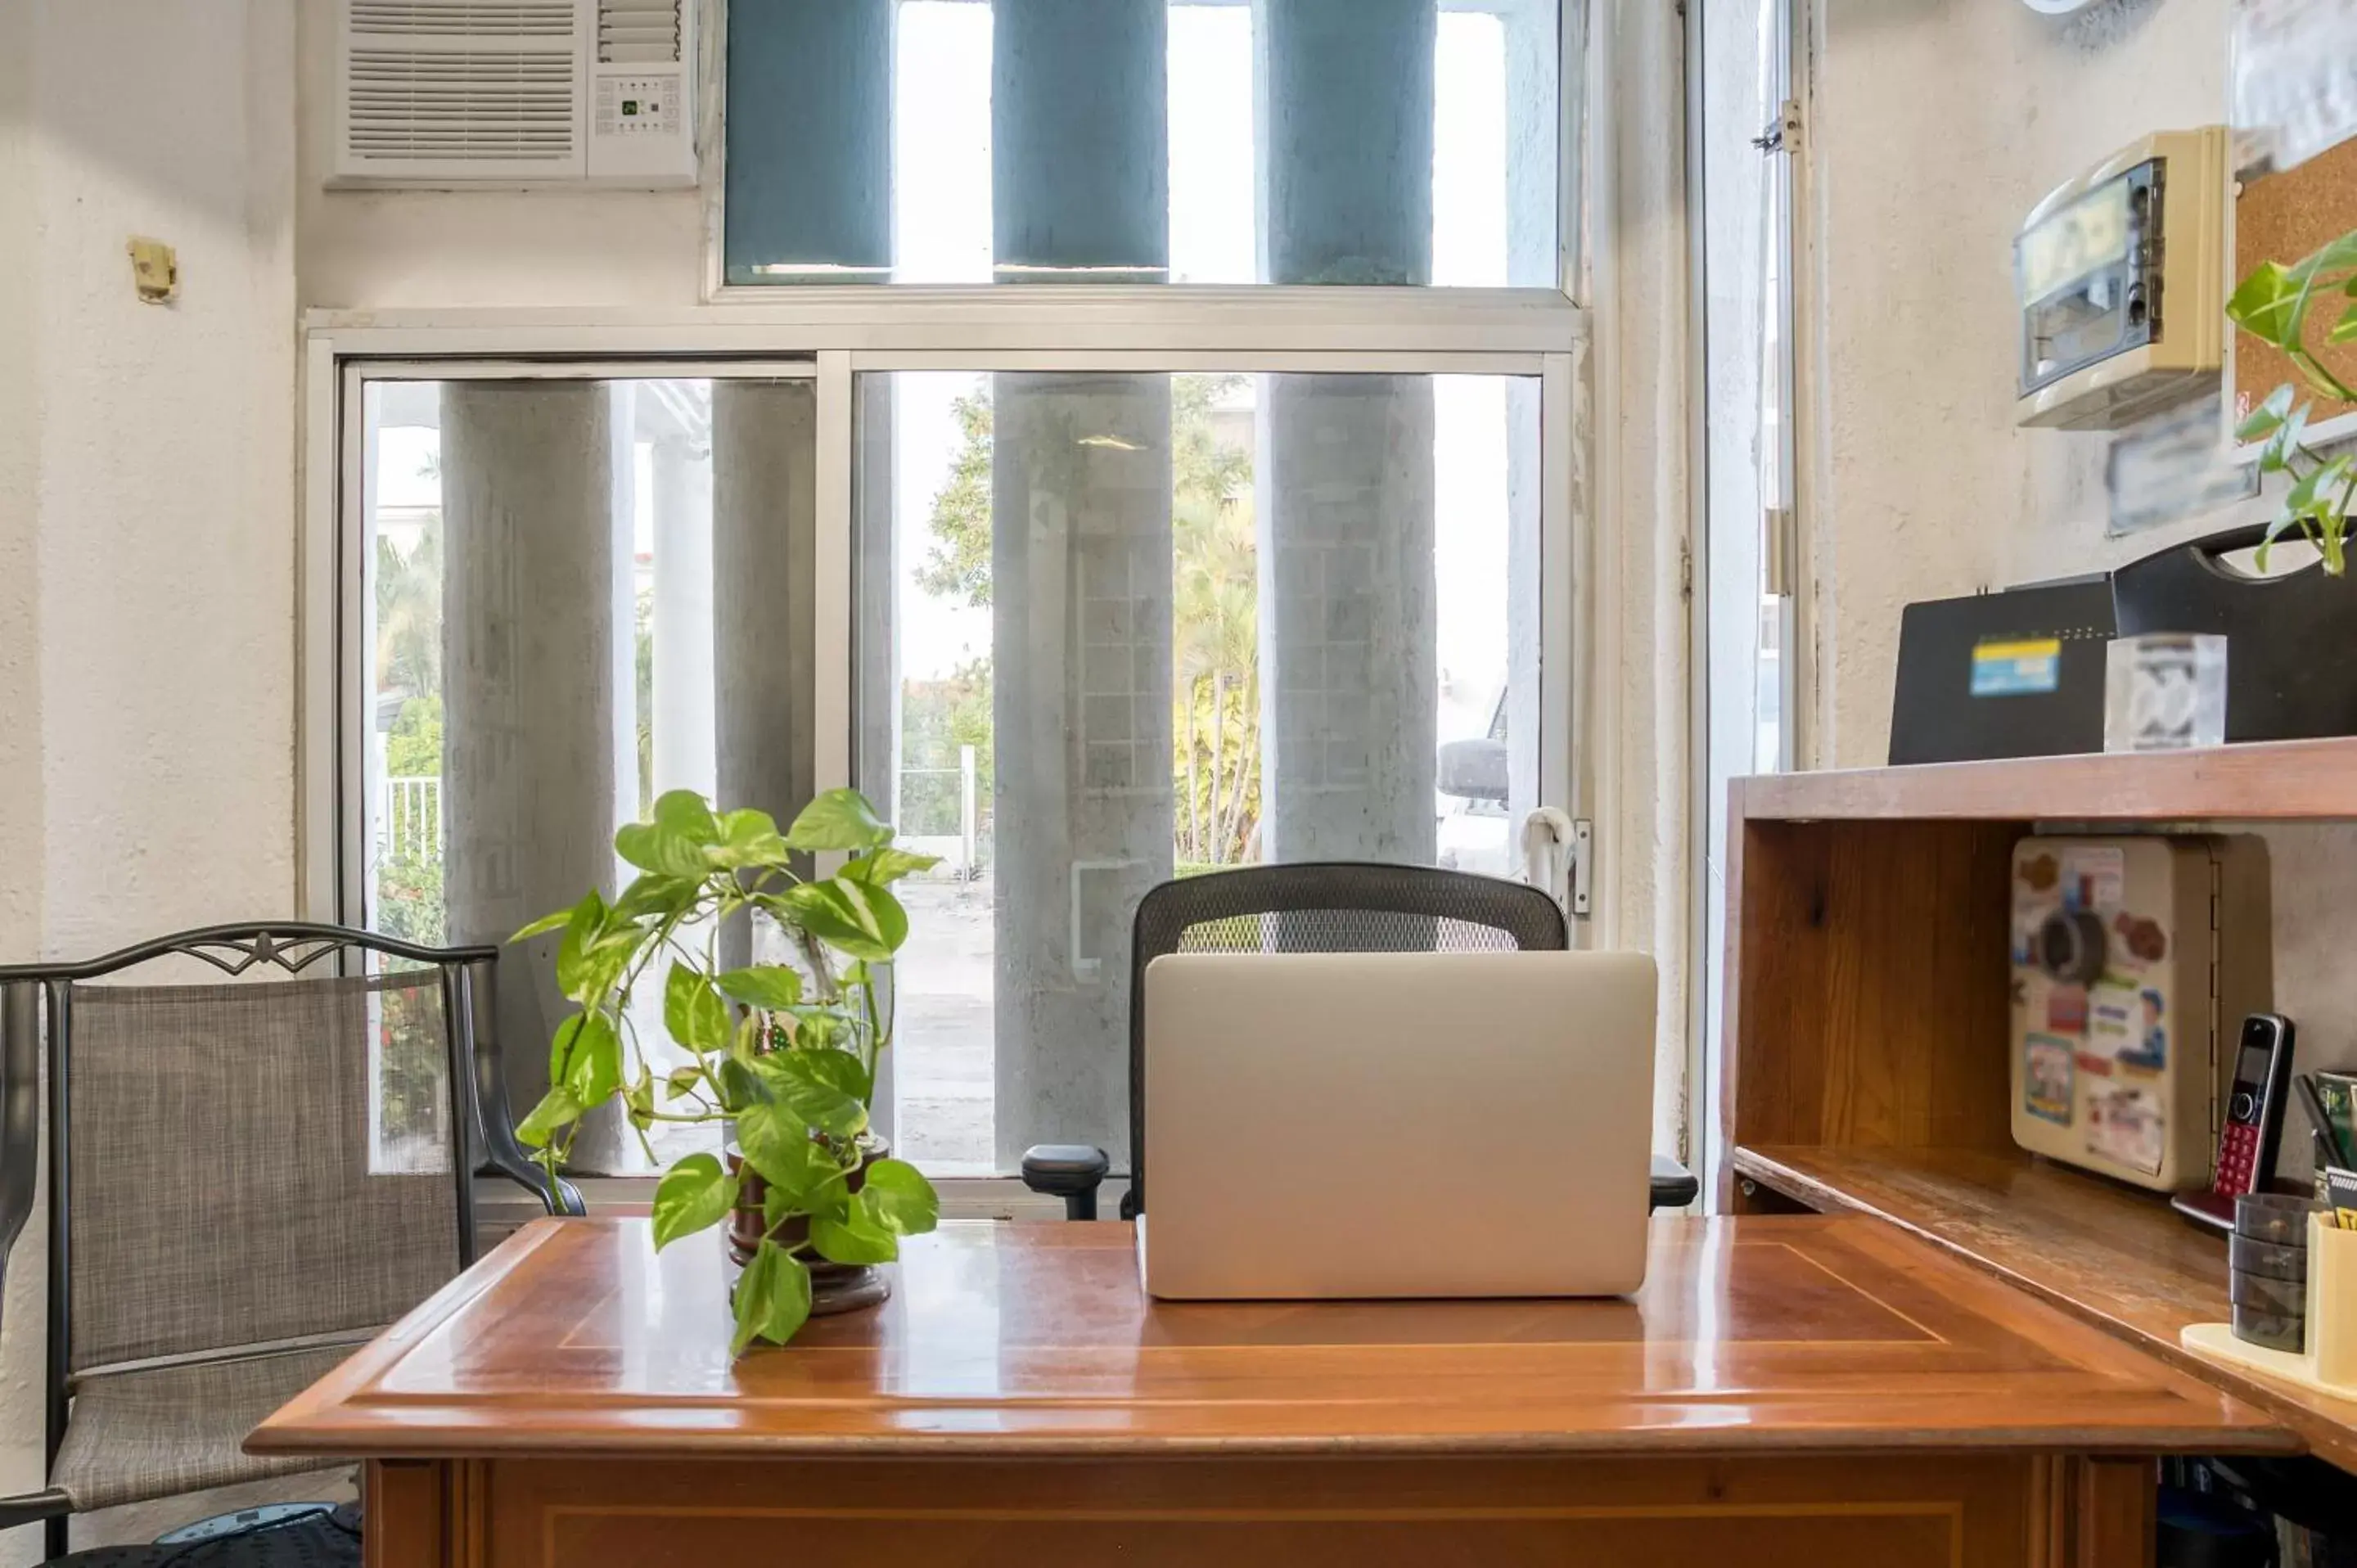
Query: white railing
962	851
409	818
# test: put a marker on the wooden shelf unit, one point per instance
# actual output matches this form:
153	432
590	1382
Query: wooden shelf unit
1865	1050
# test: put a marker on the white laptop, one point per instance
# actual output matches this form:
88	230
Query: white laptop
1397	1124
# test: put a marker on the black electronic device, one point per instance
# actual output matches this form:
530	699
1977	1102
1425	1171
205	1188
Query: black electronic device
2252	1126
2291	638
2014	674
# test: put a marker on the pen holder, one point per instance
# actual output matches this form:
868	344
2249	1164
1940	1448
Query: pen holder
2328	1361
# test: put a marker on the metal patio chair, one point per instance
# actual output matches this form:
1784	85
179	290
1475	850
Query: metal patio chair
246	1180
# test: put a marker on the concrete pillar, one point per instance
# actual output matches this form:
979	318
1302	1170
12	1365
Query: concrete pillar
1080	571
1345	469
876	646
685	753
765	563
1080	139
810	140
623	470
1081	711
529	701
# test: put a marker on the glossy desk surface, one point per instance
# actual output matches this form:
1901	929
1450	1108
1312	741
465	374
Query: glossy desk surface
1751	1334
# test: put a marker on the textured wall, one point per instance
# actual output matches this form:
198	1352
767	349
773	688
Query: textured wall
147	506
1935	126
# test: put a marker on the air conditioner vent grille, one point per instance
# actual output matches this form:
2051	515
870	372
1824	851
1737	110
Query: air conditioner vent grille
463	18
480	104
638	32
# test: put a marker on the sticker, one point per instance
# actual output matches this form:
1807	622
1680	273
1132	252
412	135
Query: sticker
2046	1079
2094	877
2110	1021
2066	1010
2142	940
2126	1126
2150	1050
2027	667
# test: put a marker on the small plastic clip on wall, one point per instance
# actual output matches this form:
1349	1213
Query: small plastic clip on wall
2329	1360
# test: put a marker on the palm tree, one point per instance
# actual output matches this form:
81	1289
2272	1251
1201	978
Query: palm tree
409	612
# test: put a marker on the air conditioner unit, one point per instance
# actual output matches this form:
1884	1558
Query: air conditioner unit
443	93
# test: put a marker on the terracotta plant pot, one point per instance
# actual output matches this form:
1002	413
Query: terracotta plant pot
835	1287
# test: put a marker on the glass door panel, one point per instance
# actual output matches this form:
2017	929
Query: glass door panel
1119	627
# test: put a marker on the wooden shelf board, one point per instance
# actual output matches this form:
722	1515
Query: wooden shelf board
2259	781
2117	1257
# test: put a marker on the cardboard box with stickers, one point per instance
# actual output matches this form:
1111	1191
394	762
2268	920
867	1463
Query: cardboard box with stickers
2135	961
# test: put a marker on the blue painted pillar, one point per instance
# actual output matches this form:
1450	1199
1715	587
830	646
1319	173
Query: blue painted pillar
809	196
1080	568
1345	471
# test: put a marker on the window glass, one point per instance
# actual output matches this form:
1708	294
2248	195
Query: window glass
578	593
1119	627
1394	142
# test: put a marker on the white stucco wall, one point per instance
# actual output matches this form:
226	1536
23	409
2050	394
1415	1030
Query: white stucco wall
146	509
1934	125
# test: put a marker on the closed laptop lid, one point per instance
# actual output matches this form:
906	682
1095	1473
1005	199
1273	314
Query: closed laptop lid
1397	1124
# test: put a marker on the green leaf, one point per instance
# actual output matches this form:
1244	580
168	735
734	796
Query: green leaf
749	837
838	819
638	1097
838	1069
811	1090
2345	328
899	1198
578	971
693	1194
555	1110
693	1012
684	814
681	1081
651	846
778	1144
853	918
546	924
2263	305
879	867
773	1299
2268	416
856	1238
2284	444
740	1087
654	893
586	1057
765	985
2311	497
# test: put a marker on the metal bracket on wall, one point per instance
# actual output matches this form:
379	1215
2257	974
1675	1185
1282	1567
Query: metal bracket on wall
1583	841
1783	132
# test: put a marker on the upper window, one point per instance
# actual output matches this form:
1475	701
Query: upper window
1371	141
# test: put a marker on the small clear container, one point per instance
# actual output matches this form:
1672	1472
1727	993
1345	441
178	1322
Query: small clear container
2276	1217
2165	690
2274	1260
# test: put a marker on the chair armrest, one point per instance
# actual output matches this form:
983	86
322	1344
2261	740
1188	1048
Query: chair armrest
1675	1187
1073	1172
20	1111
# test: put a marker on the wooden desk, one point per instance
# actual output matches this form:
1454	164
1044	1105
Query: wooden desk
1793	1390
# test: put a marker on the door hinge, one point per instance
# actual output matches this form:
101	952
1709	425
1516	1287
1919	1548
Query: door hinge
1583	845
1685	569
1783	132
1776	548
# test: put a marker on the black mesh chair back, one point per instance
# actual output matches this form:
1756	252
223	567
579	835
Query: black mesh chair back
249	1175
1321	906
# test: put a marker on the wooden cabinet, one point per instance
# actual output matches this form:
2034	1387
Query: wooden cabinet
1866	1042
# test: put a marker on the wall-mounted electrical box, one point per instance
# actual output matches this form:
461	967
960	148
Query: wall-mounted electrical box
2120	278
465	92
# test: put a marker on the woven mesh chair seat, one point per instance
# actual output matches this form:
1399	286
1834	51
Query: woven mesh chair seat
152	1434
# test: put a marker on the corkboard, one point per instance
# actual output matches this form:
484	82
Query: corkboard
2281	218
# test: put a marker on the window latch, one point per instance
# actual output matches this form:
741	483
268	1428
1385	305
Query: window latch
1783	132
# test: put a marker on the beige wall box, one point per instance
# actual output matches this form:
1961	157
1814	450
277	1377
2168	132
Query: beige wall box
2120	275
2135	960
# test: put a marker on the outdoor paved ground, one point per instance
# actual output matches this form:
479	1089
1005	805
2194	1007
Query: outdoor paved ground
942	1034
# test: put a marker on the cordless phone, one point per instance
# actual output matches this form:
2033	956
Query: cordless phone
2253	1123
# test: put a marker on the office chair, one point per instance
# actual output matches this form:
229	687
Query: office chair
1315	907
246	1181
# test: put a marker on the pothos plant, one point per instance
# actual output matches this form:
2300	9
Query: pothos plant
785	1052
2273	305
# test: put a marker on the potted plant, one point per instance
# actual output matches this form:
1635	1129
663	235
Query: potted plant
786	1053
2272	305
